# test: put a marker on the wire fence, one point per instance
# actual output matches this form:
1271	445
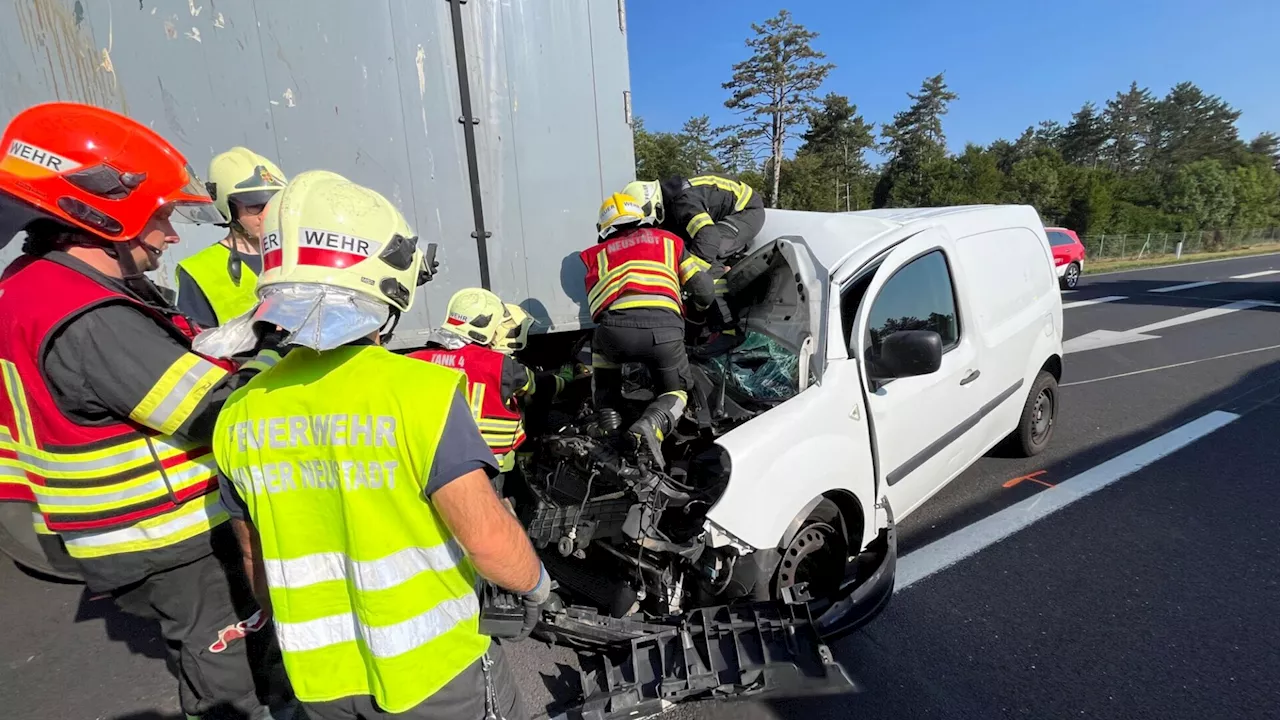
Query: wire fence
1142	245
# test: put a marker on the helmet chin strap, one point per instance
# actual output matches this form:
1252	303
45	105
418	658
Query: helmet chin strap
134	279
384	336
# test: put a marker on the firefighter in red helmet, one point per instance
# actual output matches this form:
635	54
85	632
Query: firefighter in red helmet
108	414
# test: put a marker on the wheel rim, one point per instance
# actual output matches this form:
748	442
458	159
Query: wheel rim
816	556
1042	417
1073	275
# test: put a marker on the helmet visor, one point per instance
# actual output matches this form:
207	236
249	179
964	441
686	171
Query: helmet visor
196	213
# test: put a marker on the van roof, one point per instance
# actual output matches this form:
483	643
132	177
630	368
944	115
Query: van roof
834	237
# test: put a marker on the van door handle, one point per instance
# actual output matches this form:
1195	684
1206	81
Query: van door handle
973	375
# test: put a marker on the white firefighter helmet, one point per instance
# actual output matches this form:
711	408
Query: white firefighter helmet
649	194
323	229
475	315
513	335
245	175
619	211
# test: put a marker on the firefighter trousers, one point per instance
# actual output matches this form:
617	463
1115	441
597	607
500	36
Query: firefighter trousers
476	693
660	349
225	656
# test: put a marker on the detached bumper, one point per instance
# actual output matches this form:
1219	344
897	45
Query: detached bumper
865	592
758	651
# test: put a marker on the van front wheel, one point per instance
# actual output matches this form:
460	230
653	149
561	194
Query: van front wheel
1039	414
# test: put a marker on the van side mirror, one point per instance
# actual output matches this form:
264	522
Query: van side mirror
907	353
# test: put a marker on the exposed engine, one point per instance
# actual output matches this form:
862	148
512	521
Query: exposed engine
617	532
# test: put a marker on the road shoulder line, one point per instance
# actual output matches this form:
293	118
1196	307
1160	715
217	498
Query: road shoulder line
974	538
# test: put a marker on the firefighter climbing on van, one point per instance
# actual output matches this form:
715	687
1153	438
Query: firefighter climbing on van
717	217
474	319
108	414
361	484
219	282
636	277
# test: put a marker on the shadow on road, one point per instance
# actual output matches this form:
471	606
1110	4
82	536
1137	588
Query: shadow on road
142	637
1139	292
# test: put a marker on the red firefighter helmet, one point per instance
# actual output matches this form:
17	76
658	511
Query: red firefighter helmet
97	170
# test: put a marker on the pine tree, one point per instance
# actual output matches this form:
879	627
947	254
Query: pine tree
1128	122
700	145
1084	137
1187	126
774	88
916	147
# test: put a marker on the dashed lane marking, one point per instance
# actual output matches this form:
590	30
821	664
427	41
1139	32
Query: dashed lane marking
957	546
1185	286
1092	301
1248	276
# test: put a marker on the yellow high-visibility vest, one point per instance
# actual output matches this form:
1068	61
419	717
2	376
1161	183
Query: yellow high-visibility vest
209	269
372	594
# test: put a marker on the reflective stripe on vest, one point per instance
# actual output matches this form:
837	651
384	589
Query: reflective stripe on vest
132	478
107	488
646	268
186	522
208	268
372	595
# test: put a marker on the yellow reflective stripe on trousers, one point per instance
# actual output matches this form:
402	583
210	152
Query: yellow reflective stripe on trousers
174	397
264	360
697	222
18	401
386	641
385	572
186	522
121	495
721	286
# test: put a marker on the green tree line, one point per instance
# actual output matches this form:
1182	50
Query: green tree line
1135	163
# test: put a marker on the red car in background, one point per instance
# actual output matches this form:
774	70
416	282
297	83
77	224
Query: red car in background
1068	255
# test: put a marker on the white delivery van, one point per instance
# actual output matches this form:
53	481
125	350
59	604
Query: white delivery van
877	355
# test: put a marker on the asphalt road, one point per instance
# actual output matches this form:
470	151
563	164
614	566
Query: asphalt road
1155	597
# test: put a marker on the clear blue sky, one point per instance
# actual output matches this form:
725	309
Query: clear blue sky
1013	63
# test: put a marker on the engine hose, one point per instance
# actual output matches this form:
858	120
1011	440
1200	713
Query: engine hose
640	562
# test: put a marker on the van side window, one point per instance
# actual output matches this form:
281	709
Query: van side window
919	296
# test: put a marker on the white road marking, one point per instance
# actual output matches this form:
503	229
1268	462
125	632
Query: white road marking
1247	276
1185	286
957	546
1108	338
1093	301
1170	367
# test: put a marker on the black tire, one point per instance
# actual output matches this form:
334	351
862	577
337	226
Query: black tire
1070	277
18	541
1039	415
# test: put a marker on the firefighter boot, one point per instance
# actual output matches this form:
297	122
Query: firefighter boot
658	420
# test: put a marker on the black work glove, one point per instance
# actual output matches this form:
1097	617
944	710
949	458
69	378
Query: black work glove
532	614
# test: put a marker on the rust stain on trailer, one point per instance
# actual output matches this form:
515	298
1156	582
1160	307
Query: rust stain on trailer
76	70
